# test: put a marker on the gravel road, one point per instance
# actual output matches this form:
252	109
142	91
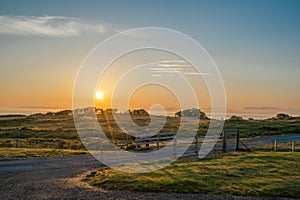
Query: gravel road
59	178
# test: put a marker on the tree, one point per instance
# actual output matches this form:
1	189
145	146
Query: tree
235	118
282	116
191	113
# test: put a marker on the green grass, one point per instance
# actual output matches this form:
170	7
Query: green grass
254	174
28	152
48	131
281	147
42	143
257	128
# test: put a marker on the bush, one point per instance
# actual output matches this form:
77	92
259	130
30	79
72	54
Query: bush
282	116
235	118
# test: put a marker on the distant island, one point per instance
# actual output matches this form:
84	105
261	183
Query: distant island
191	112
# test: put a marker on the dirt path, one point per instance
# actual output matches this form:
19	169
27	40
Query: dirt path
57	178
42	177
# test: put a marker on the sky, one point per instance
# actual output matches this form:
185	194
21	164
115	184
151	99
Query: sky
255	44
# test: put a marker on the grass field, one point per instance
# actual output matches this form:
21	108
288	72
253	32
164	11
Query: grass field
254	174
257	128
57	130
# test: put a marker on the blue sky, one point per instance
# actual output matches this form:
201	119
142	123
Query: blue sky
256	45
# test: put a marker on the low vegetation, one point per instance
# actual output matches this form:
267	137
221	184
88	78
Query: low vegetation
259	128
57	130
254	174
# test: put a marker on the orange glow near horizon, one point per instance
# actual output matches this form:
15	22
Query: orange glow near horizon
147	96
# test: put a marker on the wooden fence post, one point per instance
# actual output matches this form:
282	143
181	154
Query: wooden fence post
147	144
237	143
275	145
157	141
136	143
59	146
293	146
224	141
17	144
175	146
126	140
197	145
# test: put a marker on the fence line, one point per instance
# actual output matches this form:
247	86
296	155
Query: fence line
229	140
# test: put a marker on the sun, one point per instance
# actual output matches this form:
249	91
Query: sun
99	95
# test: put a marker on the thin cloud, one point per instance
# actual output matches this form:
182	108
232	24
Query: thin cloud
167	71
161	69
173	61
174	65
196	73
50	26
